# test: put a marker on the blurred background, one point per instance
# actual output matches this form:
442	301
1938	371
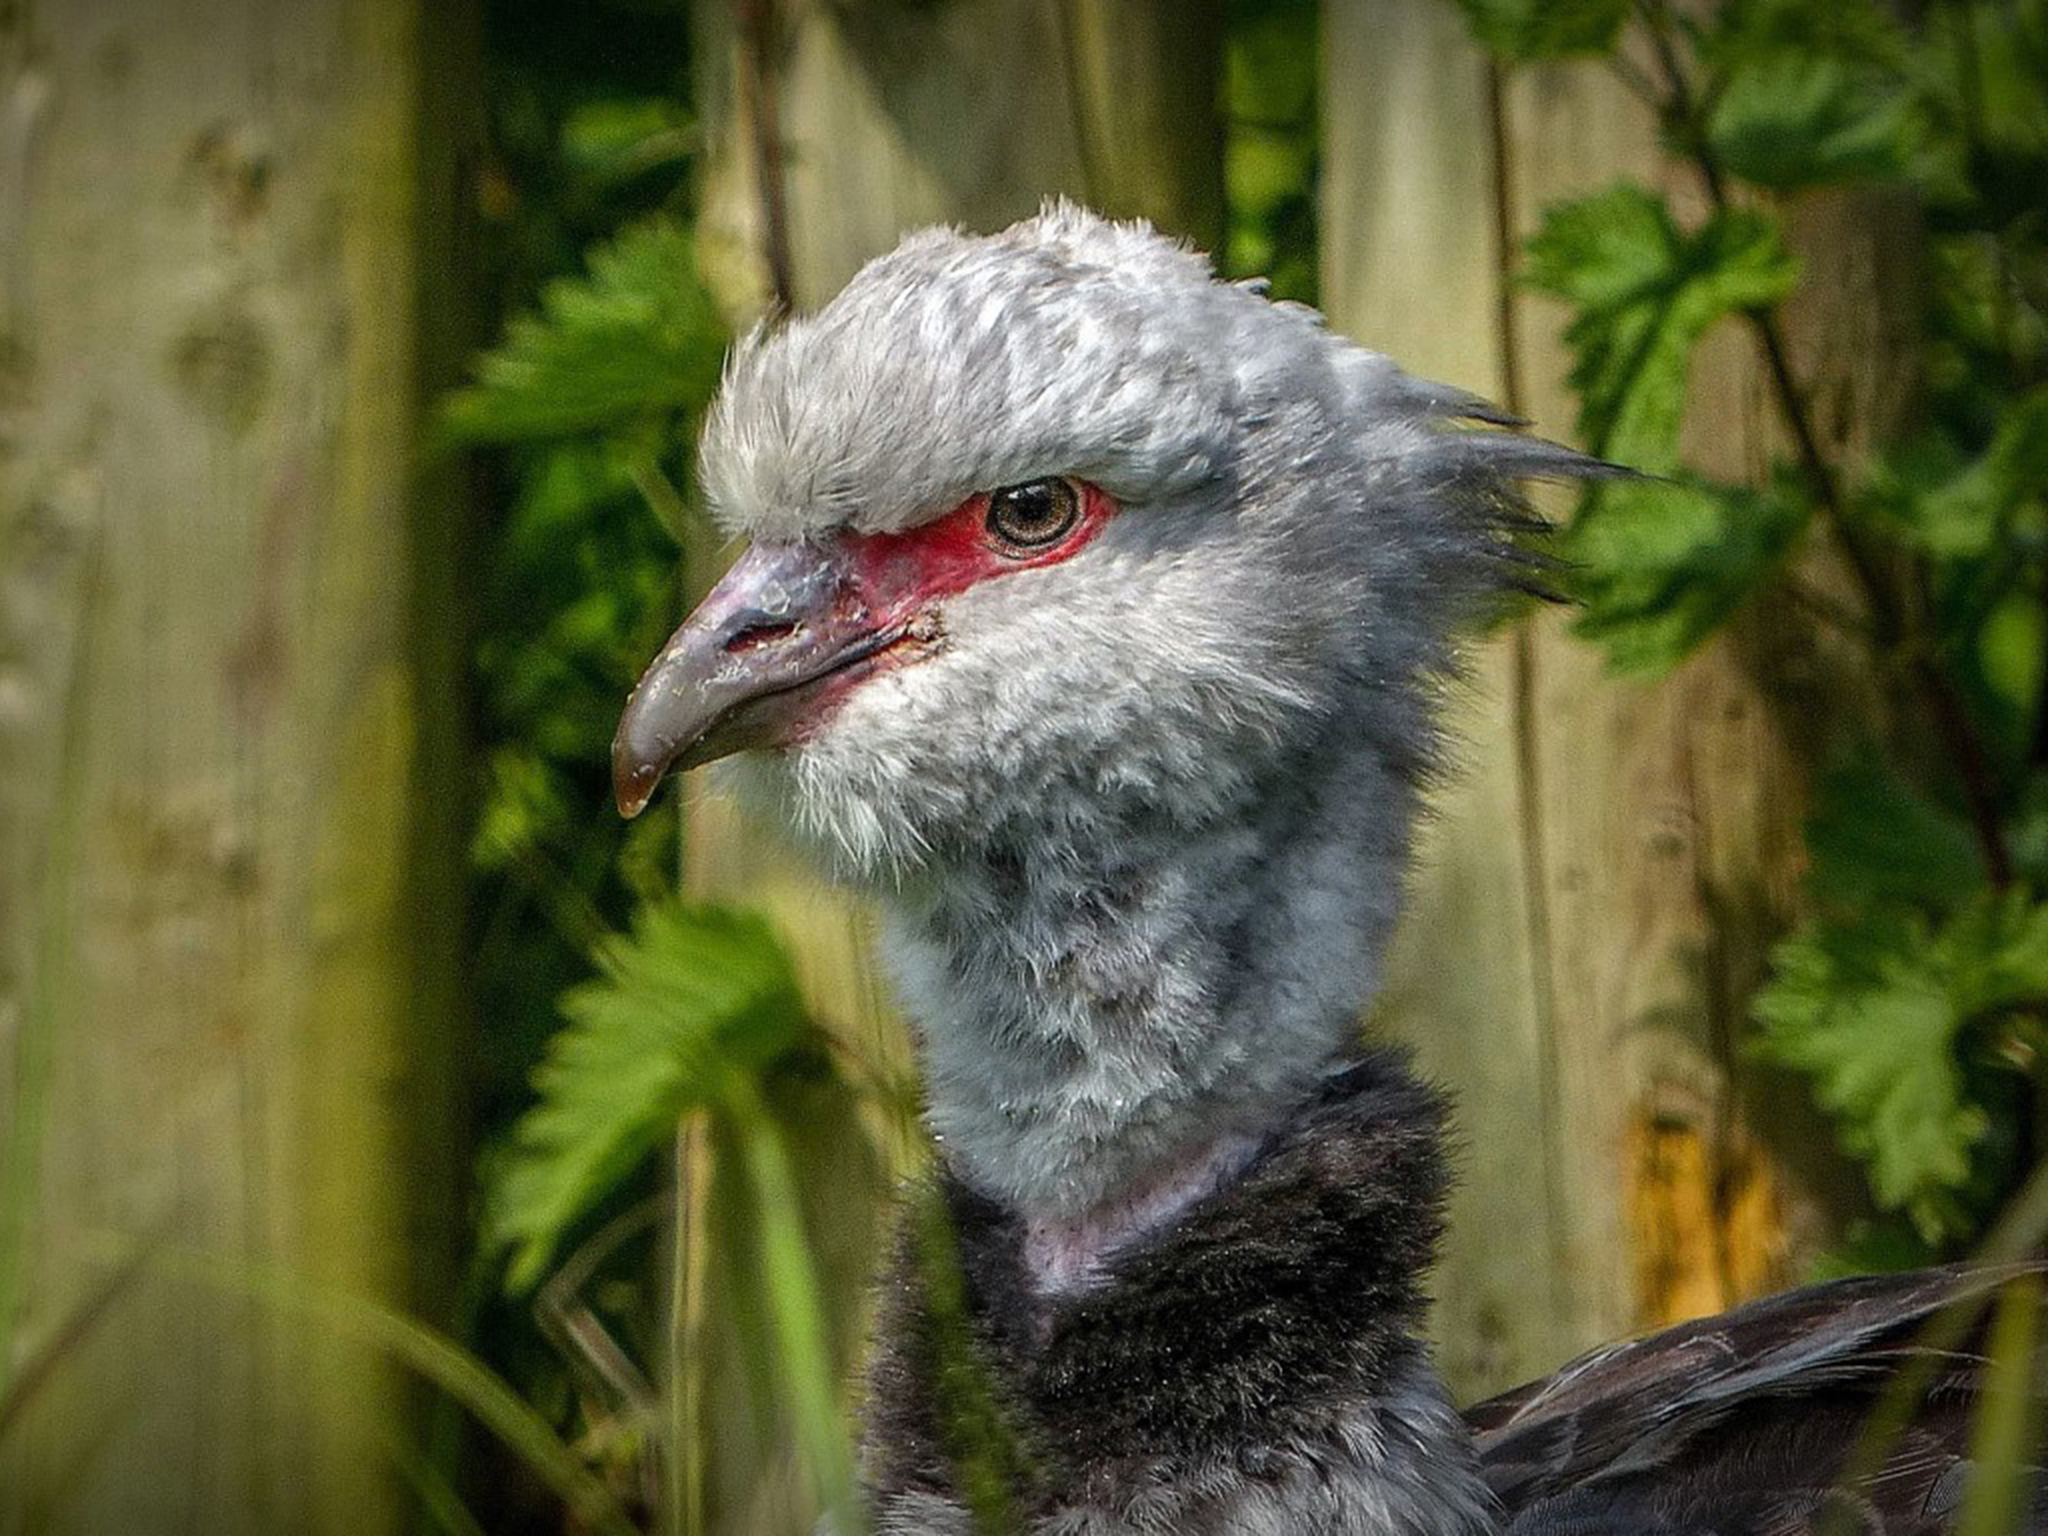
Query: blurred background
392	1139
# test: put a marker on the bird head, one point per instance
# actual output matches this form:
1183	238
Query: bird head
1051	525
1094	611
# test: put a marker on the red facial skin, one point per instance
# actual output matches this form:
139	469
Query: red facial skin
952	553
793	628
897	578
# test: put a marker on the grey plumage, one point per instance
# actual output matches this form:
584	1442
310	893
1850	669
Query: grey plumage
1137	817
1140	824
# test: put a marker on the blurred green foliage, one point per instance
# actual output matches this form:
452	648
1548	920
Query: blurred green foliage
1914	994
1271	159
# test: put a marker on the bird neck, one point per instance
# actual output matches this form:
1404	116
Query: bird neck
1113	1020
1257	1367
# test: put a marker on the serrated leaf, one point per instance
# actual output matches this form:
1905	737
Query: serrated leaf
1801	121
1866	1011
1875	1011
692	1000
1523	30
1810	94
2000	947
1658	566
1874	839
1645	293
636	338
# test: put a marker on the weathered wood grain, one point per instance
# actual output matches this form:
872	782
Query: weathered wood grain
1593	904
229	816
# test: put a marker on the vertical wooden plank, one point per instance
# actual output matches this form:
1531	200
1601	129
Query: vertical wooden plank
1412	266
1670	821
1594	902
211	252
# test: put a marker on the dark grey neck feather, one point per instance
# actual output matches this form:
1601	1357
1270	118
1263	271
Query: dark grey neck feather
1255	1367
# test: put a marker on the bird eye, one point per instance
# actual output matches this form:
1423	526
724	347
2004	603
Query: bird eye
1032	515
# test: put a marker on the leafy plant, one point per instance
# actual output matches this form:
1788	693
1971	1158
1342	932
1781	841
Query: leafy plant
626	346
1915	993
693	1010
1271	144
694	1002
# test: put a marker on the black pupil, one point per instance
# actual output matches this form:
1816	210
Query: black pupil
1031	514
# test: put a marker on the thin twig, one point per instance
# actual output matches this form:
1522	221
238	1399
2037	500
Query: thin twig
1839	617
1640	85
1895	625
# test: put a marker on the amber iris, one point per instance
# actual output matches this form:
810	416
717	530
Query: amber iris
1032	515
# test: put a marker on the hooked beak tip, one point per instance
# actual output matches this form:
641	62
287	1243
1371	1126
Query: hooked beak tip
636	774
633	795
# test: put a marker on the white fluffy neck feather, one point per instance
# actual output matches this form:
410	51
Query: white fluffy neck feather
1106	1027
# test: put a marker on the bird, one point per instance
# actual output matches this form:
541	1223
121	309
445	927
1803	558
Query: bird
1094	618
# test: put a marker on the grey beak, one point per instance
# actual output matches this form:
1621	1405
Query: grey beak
740	671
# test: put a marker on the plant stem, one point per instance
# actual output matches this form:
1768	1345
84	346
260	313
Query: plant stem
690	1258
758	55
1896	627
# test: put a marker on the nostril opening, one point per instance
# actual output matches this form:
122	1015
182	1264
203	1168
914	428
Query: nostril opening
755	635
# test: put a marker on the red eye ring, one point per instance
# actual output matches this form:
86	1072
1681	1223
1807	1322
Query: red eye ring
899	573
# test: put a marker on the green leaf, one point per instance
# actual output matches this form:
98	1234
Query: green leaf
1866	1011
1810	94
694	1001
611	138
2012	652
1874	839
1645	293
1875	1011
637	338
1658	566
1801	121
1522	30
2000	948
1958	507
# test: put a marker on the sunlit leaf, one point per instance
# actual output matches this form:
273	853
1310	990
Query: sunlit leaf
1658	566
636	337
2012	652
1523	30
1645	292
1874	1011
691	999
610	138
